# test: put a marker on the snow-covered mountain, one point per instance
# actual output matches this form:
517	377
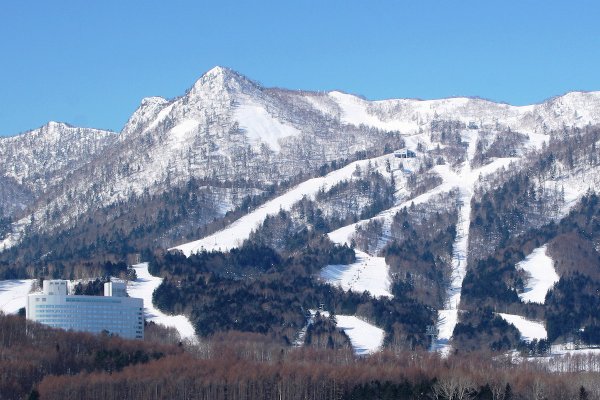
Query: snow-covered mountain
228	127
41	157
39	160
228	137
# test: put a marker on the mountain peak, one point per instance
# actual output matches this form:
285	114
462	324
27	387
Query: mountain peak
219	74
223	77
217	71
53	124
146	101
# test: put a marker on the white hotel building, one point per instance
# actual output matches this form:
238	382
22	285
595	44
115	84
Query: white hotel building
114	312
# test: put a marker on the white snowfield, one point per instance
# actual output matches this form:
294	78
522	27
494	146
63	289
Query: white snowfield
447	320
143	287
408	115
13	294
365	338
543	275
260	126
528	329
368	273
234	235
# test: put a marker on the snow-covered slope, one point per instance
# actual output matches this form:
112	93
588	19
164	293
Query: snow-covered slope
240	230
370	274
228	130
143	287
365	338
540	267
42	157
529	329
227	127
409	115
13	294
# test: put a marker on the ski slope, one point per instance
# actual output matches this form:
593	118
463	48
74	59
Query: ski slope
450	180
448	317
143	287
368	273
234	234
260	126
543	276
365	338
528	329
464	180
13	294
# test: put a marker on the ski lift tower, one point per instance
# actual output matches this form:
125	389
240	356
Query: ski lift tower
432	331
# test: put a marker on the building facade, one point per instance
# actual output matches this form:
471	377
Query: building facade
114	313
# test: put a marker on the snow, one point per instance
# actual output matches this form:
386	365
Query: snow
528	329
368	273
260	126
537	140
574	185
143	287
160	117
572	348
179	134
465	181
448	317
365	338
344	234
13	294
13	238
447	320
450	181
354	110
543	276
233	235
410	115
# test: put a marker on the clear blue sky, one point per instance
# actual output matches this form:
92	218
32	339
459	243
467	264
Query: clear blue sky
90	63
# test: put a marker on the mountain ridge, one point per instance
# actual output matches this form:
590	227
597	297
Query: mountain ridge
225	74
228	127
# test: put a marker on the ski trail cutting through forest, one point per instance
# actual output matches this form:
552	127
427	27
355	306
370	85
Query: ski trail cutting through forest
368	273
464	181
448	317
234	234
143	287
